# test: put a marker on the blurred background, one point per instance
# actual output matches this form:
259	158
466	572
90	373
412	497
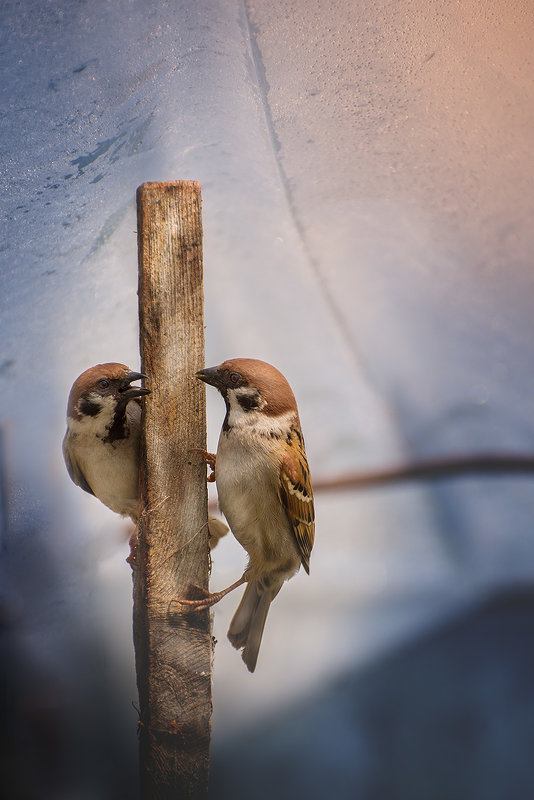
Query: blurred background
367	172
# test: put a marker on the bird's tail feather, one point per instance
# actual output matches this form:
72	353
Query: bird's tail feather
248	622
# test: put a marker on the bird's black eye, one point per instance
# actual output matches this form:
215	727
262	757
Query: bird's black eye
235	377
103	384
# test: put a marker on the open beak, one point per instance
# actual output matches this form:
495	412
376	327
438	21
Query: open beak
129	392
210	375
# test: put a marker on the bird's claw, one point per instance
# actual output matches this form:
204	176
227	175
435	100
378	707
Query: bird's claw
196	599
210	459
206	599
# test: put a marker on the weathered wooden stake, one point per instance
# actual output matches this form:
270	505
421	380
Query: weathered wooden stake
173	651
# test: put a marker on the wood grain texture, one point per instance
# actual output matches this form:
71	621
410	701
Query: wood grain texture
173	651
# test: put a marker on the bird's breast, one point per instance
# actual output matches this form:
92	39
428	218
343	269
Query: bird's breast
246	468
247	474
112	471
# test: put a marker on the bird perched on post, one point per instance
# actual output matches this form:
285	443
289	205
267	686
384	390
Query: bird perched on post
101	445
264	489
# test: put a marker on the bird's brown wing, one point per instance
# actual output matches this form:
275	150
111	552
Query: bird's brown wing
296	495
74	470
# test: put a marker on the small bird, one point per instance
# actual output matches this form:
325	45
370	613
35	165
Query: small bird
101	445
264	488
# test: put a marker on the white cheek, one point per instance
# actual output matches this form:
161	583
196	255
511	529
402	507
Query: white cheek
106	403
239	418
236	414
97	425
255	421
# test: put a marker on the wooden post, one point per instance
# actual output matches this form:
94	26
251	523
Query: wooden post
173	651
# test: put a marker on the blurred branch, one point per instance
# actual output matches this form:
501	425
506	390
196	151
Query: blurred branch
433	469
451	467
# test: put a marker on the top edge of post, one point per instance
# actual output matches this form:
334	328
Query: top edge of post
151	186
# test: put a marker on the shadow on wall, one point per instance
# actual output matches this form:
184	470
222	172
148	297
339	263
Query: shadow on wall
449	717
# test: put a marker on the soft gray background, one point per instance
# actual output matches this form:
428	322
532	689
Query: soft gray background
367	176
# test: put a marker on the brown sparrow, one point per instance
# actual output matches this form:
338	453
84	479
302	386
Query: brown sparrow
101	445
264	489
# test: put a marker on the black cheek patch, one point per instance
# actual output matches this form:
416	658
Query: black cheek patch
89	408
248	401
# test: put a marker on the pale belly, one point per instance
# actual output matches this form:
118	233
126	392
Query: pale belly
114	476
248	497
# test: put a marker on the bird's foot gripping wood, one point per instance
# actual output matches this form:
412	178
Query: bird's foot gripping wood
204	599
210	459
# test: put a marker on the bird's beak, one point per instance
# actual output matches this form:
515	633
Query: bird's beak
210	375
129	392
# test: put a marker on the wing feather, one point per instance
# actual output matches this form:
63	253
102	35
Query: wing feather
74	470
296	494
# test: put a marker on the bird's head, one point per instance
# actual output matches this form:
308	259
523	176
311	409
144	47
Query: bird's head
101	389
251	388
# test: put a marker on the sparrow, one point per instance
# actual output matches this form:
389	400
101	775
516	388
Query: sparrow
101	445
264	490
